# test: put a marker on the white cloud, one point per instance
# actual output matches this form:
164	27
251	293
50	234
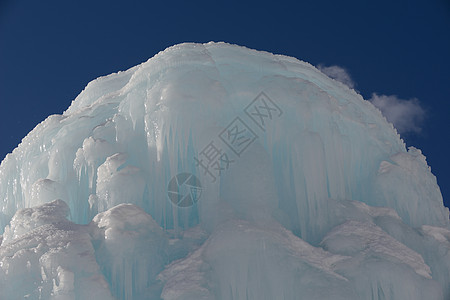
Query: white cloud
406	115
338	73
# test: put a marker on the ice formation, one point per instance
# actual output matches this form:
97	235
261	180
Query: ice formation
291	186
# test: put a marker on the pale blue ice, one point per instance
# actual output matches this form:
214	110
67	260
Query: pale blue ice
307	192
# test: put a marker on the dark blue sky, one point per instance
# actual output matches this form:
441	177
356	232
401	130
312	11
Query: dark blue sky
50	50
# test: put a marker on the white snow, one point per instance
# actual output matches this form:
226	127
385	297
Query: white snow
45	256
318	199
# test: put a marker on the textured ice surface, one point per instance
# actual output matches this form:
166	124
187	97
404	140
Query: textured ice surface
310	195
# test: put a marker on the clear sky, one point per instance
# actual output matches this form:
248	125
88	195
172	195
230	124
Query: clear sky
399	50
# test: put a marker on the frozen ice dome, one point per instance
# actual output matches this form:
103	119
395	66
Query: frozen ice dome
213	171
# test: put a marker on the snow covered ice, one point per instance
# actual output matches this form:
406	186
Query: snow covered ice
295	188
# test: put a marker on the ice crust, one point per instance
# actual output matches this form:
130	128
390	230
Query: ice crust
325	203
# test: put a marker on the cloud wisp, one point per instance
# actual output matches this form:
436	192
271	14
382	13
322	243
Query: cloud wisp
338	73
407	116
